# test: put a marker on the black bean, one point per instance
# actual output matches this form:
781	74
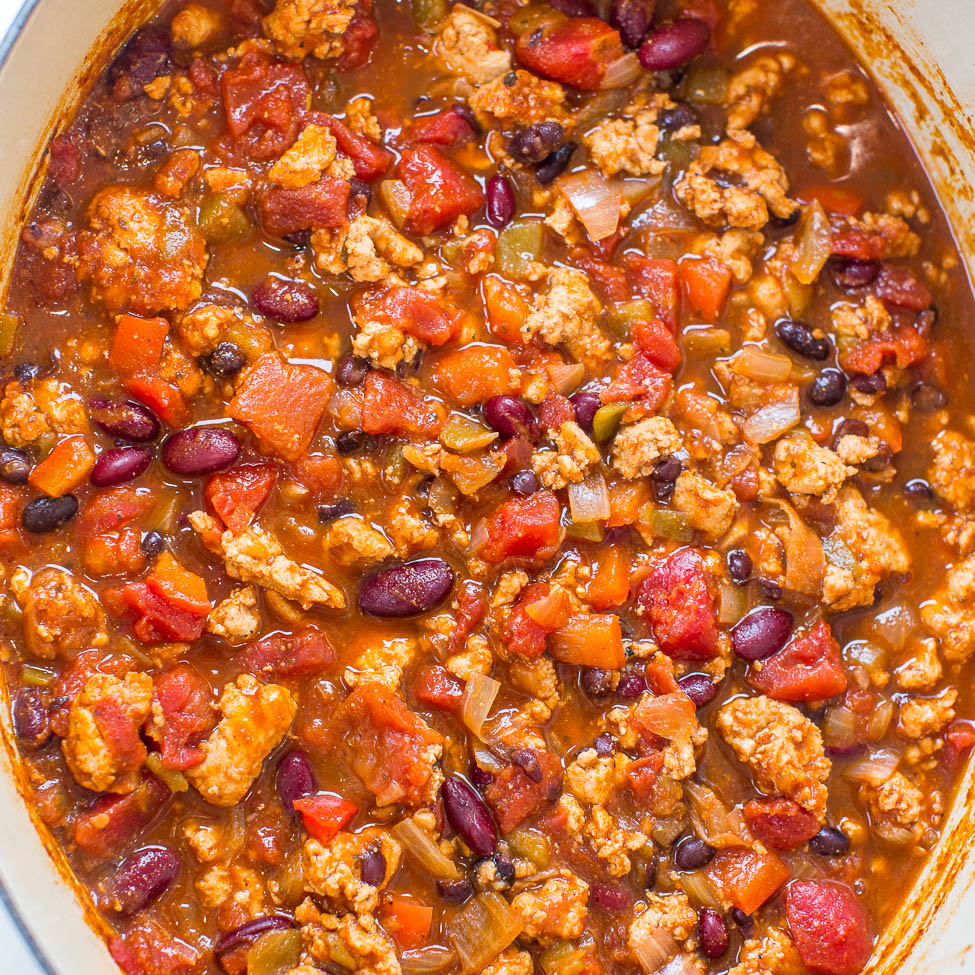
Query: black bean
128	420
225	360
692	853
455	891
249	932
849	272
285	300
406	590
120	464
830	842
676	118
301	238
927	398
799	337
631	685
605	744
200	450
713	932
351	370
499	201
919	490
509	415
24	372
352	440
871	384
525	482
650	876
406	368
743	920
674	44
585	404
30	717
294	779
828	388
143	59
662	490
851	427
632	18
550	169
762	632
372	867
739	564
152	544
47	514
468	816
597	682
535	142
15	464
667	469
786	221
880	460
527	761
770	589
330	512
699	688
141	878
504	869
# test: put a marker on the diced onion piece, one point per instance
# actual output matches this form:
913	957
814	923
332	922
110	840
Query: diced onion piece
595	200
432	958
805	564
762	366
895	625
681	964
879	721
813	244
483	929
655	950
635	191
772	420
731	603
698	888
839	728
622	72
479	697
479	536
875	769
589	499
476	14
397	199
712	819
567	376
423	846
671	716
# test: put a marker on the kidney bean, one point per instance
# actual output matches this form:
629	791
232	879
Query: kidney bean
666	470
674	44
799	337
676	118
351	370
30	716
525	482
872	384
509	415
249	932
585	405
120	464
632	18
536	142
294	778
331	512
597	682
574	8
699	688
828	388
604	744
46	514
650	875
152	544
144	58
200	450
469	816
454	891
713	931
499	206
15	464
225	360
551	168
762	632
830	842
692	853
286	300
141	878
372	867
918	490
631	685
849	272
739	564
302	238
480	778
407	589
127	421
609	897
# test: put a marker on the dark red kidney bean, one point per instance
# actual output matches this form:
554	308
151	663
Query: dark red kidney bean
739	564
294	778
830	842
285	300
525	483
250	931
713	932
799	337
15	464
597	682
667	469
372	867
585	405
574	8
536	142
144	58
468	816
848	272
499	205
509	415
120	464
225	360
302	238
30	716
609	897
762	632
674	44
47	514
455	891
141	878
828	388
351	370
551	168
631	685
200	450
692	853
407	589
699	688
127	421
632	18
605	744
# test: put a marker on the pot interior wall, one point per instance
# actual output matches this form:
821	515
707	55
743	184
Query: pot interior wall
918	50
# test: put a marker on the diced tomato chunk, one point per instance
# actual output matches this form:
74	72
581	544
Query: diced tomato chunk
184	699
642	775
829	926
898	284
369	160
285	210
780	823
407	920
112	822
359	38
289	654
573	50
111	509
555	410
471	608
539	610
706	284
863	245
746	877
476	373
147	949
413	311
589	640
676	598
657	280
959	740
436	687
389	406
440	191
657	343
522	527
238	494
450	128
640	380
324	814
154	619
905	345
114	553
163	398
609	280
808	668
514	795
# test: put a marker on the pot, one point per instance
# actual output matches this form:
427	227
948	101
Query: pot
919	52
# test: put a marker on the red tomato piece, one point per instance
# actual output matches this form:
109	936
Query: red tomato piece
238	494
112	822
440	190
522	527
904	345
657	280
289	654
522	634
408	921
359	38
154	619
324	814
856	243
829	926
163	398
114	553
679	605
780	823
639	380
657	343
555	410
148	950
514	795
450	128
476	373
436	687
413	311
112	508
609	280
575	51
899	285
642	775
389	406
808	668
185	700
321	204
369	160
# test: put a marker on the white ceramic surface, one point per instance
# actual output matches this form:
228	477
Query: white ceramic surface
931	83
